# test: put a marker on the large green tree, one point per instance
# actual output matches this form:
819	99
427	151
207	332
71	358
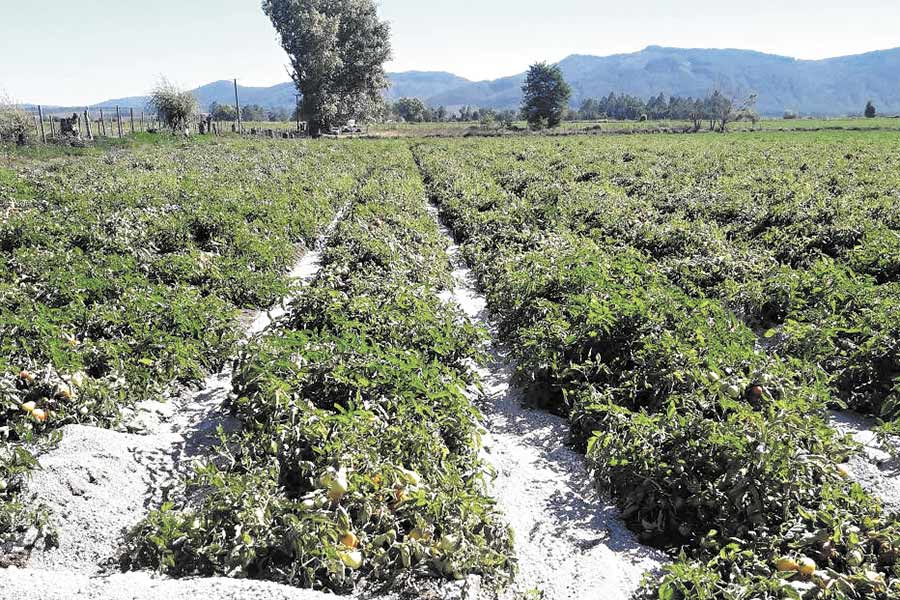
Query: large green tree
411	110
545	96
337	50
870	110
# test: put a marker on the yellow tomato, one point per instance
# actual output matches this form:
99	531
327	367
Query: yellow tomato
63	392
786	564
352	559
411	477
807	565
335	484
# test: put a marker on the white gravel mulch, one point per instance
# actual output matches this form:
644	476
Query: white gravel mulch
876	471
569	540
40	584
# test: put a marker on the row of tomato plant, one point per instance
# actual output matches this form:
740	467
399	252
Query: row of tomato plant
122	271
715	447
799	235
357	459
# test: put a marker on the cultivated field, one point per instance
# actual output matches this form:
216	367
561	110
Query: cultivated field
458	129
700	311
493	128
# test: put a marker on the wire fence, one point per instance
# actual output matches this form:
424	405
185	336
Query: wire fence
118	122
114	122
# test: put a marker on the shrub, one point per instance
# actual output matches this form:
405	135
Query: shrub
173	105
14	122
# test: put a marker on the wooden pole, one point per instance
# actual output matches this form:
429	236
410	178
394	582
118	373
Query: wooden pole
237	106
102	124
87	124
142	121
132	120
43	133
119	121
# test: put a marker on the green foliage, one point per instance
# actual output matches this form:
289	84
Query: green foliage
545	96
174	106
870	110
612	268
337	49
123	272
411	110
15	123
362	383
222	112
254	112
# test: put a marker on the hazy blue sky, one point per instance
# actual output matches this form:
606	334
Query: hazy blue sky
64	52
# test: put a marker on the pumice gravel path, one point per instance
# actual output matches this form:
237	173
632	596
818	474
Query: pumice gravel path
569	540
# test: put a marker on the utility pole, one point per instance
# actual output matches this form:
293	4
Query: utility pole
237	106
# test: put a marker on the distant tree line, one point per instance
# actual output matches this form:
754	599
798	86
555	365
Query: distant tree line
413	110
714	108
250	112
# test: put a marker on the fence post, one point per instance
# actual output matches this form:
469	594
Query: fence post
102	124
119	121
142	121
237	106
87	124
43	133
132	120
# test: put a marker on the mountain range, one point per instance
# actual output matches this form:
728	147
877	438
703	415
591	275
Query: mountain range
828	87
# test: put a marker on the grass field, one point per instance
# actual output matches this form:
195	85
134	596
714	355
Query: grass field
694	306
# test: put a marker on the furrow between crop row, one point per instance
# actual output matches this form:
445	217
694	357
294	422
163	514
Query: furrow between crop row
356	467
569	541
